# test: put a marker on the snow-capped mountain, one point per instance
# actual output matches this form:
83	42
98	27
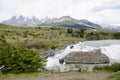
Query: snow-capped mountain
108	26
23	21
68	21
26	21
65	21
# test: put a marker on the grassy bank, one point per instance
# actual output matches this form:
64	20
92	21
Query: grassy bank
44	38
63	76
4	76
113	68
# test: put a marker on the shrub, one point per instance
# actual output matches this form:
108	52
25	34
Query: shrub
115	76
96	67
69	31
113	67
2	39
18	59
116	35
82	32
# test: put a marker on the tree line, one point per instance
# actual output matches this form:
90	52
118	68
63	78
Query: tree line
93	34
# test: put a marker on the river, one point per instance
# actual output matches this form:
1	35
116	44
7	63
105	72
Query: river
109	47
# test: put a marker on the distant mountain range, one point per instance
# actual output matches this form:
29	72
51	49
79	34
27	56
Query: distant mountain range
65	21
22	21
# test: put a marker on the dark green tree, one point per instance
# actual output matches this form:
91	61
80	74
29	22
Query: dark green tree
69	31
82	32
116	35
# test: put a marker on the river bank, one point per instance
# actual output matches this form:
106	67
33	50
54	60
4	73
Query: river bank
67	76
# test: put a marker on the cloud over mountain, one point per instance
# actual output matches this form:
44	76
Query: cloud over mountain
106	11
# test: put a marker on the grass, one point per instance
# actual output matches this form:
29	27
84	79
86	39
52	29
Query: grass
113	68
44	38
19	75
76	79
115	76
49	74
49	37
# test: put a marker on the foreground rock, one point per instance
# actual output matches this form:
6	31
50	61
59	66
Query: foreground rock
91	57
51	53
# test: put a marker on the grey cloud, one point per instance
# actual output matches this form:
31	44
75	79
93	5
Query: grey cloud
55	8
101	8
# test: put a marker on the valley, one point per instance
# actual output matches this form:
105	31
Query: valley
59	39
44	38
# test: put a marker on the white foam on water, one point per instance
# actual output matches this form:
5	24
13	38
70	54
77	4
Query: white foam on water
111	50
53	62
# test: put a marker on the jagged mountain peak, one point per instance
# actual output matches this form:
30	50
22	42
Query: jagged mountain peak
22	21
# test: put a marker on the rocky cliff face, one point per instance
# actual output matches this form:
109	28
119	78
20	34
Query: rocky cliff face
91	57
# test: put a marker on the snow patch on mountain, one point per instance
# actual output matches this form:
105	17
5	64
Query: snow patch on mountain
103	25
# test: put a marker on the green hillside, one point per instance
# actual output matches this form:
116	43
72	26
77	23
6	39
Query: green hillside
45	38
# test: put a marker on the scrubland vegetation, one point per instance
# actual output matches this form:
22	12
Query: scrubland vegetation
114	68
19	46
46	38
19	59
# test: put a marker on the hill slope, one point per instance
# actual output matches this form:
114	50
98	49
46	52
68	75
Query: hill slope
68	21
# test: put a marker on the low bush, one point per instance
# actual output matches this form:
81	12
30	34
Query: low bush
19	59
113	67
96	67
115	76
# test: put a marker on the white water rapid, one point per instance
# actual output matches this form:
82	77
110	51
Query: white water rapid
109	47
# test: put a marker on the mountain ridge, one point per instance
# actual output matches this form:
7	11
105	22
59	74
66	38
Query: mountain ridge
65	21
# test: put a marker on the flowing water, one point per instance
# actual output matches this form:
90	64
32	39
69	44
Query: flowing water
109	47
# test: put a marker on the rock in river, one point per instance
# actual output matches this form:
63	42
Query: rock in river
90	57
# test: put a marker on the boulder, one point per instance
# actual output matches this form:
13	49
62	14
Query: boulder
47	54
90	57
71	47
61	61
50	53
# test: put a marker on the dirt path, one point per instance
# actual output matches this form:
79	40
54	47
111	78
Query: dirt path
67	76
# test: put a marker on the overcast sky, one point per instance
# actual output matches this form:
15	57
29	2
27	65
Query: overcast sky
105	11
